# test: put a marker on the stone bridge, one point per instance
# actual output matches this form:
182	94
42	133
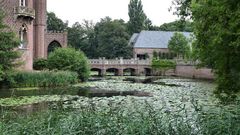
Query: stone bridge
136	67
121	66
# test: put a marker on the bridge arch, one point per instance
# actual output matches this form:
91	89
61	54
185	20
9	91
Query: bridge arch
98	70
52	46
129	71
113	71
148	71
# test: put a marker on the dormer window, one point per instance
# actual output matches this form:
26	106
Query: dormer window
22	3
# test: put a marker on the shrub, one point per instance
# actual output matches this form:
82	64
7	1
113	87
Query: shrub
163	64
42	79
40	64
69	59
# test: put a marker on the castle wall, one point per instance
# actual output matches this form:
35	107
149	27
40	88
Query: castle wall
60	37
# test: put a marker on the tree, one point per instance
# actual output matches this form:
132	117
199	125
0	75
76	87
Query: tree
8	45
217	33
82	36
177	26
183	8
112	39
54	23
137	17
69	59
178	44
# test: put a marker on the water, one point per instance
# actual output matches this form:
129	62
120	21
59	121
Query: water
160	91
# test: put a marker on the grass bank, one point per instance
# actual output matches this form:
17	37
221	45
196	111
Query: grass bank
41	79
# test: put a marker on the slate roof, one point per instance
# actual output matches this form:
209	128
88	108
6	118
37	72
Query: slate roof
154	39
134	38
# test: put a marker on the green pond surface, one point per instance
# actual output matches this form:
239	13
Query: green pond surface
117	105
161	92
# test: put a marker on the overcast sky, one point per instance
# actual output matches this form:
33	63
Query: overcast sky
77	10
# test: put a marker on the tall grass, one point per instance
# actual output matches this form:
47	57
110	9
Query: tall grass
42	79
115	121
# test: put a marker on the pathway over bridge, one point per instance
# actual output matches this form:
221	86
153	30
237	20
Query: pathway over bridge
120	66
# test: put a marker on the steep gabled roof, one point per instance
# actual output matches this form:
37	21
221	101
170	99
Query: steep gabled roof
154	39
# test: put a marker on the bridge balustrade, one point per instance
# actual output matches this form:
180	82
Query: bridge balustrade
120	61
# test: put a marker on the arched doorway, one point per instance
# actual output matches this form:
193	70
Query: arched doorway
53	45
129	72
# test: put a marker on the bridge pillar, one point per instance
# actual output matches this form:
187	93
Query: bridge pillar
137	72
120	72
103	72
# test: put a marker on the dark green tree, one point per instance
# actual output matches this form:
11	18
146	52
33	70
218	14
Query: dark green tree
182	8
54	23
82	36
177	26
8	45
112	39
137	17
178	44
217	40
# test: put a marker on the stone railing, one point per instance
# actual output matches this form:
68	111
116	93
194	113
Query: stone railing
184	62
120	61
24	12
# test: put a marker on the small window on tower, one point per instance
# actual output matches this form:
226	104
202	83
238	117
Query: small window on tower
22	3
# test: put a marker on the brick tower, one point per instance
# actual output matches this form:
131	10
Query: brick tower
39	27
27	18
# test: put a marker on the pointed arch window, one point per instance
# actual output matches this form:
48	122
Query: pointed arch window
23	37
22	3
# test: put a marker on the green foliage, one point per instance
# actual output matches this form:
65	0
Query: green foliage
112	39
69	59
137	17
177	26
54	23
40	64
163	64
82	36
41	79
216	29
1	73
91	120
183	8
179	44
8	45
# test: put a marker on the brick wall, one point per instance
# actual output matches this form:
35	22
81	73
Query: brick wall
149	51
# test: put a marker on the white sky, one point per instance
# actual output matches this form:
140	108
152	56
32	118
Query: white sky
77	10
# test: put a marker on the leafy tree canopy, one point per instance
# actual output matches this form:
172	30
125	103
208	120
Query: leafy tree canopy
112	39
54	23
177	26
8	43
137	18
81	36
178	44
217	33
